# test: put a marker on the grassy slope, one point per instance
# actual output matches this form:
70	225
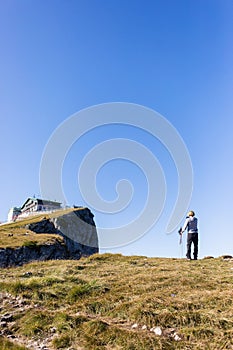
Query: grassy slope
93	303
15	234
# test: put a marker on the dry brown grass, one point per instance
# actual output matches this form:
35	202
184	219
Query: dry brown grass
93	302
21	237
14	234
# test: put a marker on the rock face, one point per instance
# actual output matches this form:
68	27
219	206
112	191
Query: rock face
77	229
79	232
22	255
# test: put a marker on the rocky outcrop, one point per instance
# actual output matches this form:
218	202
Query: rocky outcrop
79	239
22	255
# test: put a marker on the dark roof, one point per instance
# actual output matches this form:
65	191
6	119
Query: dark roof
46	201
40	201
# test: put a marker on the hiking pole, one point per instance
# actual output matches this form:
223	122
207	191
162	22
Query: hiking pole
180	242
180	233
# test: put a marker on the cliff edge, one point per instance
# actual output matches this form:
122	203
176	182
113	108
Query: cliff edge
65	234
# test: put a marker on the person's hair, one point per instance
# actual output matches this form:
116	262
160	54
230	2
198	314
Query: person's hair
191	213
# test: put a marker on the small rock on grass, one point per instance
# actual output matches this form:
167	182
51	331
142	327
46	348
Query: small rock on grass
176	337
156	330
134	326
226	257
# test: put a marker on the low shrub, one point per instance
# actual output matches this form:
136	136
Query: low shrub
30	244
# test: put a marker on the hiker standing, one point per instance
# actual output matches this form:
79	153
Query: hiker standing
192	237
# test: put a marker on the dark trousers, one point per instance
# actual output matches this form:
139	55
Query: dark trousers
192	238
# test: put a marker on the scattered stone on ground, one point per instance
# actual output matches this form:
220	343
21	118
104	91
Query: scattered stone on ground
227	257
18	305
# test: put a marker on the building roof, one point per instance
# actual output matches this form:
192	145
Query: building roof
40	201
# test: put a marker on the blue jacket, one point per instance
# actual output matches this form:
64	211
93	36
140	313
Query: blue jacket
190	224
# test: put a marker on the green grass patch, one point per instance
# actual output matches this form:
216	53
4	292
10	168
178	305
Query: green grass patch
30	244
82	289
62	342
35	323
5	344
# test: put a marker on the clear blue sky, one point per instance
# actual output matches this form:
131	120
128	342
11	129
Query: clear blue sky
58	57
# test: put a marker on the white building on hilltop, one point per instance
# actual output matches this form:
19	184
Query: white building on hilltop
32	206
36	204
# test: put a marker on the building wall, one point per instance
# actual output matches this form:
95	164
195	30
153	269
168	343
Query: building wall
13	214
